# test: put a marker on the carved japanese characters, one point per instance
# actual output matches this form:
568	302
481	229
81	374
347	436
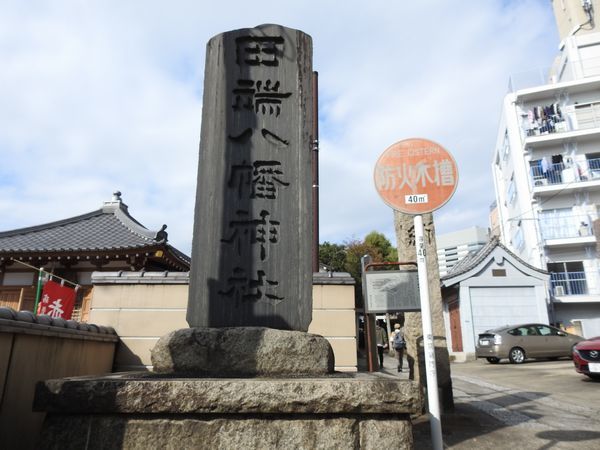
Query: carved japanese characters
252	230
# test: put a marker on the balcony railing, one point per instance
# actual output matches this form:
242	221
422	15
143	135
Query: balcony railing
568	283
548	128
530	78
565	227
584	68
561	173
587	120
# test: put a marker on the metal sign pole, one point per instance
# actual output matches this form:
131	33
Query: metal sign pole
430	366
439	173
369	331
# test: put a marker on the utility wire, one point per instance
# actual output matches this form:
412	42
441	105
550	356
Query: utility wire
544	201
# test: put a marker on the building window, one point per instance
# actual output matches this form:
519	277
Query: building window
511	192
517	241
505	147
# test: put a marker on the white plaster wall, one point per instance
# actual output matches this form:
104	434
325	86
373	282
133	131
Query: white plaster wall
588	314
466	320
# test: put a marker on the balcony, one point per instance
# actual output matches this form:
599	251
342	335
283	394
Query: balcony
558	176
568	283
539	84
556	138
554	227
551	124
530	79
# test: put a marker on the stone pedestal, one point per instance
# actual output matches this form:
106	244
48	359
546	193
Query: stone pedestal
141	411
242	351
223	388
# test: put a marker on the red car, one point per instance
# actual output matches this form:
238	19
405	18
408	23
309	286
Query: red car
586	357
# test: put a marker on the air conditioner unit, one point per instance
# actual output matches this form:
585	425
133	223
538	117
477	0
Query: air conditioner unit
559	290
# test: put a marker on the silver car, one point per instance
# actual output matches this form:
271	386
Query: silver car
519	342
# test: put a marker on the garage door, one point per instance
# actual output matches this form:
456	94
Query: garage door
495	307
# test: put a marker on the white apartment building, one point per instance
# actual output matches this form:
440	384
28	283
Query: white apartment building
546	171
452	247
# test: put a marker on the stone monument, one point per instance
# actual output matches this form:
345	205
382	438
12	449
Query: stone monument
251	252
246	374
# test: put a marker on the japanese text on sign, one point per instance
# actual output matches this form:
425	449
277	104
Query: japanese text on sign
421	174
415	176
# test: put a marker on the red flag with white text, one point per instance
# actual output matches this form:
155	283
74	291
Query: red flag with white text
57	300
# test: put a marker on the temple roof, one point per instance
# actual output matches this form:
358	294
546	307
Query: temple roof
108	229
473	259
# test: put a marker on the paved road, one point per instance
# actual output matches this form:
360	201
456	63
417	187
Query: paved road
537	405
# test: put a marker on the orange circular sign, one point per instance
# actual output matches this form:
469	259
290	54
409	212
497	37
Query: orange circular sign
416	176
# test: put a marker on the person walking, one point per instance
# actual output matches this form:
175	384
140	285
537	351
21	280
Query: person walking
399	344
382	341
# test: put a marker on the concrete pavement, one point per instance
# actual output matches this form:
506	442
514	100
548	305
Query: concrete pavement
522	412
539	405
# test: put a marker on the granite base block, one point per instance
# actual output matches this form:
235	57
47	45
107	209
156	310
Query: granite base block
242	351
135	411
117	432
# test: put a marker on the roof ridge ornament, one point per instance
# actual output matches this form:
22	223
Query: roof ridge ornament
116	202
162	235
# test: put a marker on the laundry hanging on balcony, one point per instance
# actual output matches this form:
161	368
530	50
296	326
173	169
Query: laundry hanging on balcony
545	119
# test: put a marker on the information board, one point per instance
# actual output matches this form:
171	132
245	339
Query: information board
391	291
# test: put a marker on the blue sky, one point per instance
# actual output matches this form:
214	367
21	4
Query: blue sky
104	96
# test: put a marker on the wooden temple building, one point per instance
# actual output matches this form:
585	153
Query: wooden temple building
108	239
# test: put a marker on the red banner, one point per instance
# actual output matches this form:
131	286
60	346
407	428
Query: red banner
57	300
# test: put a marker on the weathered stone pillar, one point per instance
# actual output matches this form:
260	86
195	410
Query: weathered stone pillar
413	327
251	253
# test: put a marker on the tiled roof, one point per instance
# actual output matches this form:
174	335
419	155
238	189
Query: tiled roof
110	228
475	258
472	259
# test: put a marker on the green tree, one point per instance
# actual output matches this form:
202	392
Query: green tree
355	250
332	256
378	241
347	257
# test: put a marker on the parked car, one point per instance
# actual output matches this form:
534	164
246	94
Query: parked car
586	357
519	342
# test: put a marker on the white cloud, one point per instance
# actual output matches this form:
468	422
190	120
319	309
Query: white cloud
98	96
